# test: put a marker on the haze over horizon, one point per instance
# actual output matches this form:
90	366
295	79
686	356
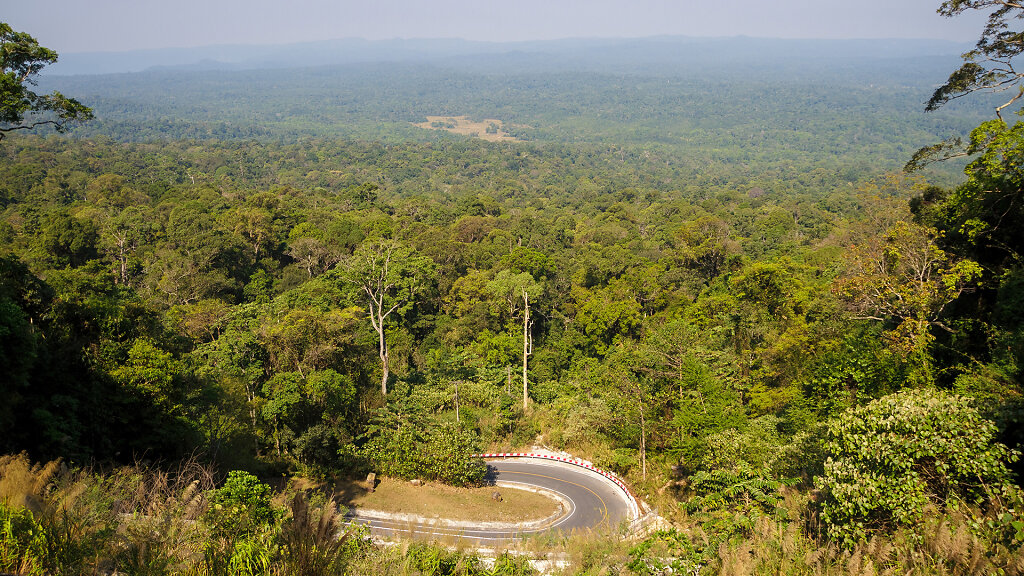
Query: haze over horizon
72	26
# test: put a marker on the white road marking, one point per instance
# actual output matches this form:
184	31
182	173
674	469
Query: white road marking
389	526
562	494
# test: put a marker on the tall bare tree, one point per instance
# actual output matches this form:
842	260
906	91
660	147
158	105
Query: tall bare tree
389	275
515	288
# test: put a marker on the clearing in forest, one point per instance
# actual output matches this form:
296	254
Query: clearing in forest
488	129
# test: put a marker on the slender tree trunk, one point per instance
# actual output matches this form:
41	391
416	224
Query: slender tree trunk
643	439
377	319
124	269
250	395
277	437
526	345
384	358
121	239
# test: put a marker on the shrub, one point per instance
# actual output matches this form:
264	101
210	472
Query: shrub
394	450
448	457
741	489
672	552
242	505
55	520
889	459
21	541
402	448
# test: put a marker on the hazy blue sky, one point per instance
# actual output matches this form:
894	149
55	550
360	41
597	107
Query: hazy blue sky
90	25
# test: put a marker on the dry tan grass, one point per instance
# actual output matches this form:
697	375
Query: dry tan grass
448	502
466	127
24	484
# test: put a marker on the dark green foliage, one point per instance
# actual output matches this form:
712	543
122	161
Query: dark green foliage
17	355
85	339
21	541
983	218
855	370
987	67
740	489
56	543
434	560
65	241
450	461
894	456
673	551
242	506
404	447
21	60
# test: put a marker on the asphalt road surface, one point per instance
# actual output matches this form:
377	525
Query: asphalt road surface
594	502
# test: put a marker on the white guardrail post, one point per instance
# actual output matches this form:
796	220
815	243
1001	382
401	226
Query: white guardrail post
631	499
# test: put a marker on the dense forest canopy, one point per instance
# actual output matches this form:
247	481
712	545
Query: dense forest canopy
736	102
713	282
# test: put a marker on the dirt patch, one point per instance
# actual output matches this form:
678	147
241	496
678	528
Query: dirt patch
439	501
489	129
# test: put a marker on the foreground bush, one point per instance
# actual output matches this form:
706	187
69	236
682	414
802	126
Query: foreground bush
890	459
55	521
21	541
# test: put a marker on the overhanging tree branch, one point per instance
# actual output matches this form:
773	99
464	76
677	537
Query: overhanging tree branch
21	59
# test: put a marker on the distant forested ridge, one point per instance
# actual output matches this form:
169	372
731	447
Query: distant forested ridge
755	105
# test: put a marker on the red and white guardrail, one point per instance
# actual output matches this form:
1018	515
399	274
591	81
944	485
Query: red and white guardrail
633	502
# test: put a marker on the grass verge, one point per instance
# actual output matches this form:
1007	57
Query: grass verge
448	502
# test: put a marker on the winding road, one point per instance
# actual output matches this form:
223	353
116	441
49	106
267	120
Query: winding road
590	501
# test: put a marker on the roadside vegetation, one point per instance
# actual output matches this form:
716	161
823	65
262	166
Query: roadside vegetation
805	365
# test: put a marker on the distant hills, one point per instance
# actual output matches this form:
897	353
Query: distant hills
597	54
756	106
